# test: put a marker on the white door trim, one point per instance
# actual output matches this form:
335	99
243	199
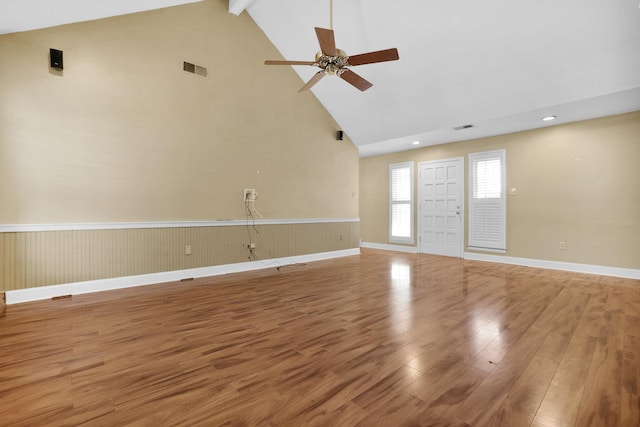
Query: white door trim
461	190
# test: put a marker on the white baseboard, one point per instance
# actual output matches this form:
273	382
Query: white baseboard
628	273
386	247
77	288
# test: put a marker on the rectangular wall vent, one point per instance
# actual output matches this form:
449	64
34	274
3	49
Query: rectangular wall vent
201	71
194	68
462	127
189	67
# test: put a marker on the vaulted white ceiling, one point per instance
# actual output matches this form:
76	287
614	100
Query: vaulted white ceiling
500	65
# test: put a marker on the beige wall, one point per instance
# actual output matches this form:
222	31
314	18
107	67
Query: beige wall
123	134
578	183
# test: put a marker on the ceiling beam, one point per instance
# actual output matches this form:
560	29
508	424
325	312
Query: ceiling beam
237	6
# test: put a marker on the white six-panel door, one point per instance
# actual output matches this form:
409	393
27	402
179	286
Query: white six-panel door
441	208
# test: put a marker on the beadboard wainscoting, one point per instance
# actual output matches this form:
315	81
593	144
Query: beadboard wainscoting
46	255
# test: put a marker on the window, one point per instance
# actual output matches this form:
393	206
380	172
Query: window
401	202
487	207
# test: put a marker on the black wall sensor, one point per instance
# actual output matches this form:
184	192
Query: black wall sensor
55	56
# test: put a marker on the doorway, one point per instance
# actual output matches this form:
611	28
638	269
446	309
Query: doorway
441	207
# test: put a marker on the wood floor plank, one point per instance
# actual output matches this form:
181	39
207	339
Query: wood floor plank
449	389
562	399
491	393
601	401
523	398
630	410
593	316
379	339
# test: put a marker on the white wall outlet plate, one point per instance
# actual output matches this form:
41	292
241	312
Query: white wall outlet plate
250	194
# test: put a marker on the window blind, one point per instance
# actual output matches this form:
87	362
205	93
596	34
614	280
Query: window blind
487	210
401	202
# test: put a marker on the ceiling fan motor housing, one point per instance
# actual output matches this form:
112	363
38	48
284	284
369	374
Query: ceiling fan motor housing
332	64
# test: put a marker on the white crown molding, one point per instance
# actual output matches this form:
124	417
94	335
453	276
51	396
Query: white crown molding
78	288
26	228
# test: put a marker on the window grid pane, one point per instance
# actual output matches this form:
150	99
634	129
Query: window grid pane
401	202
401	184
487	183
401	220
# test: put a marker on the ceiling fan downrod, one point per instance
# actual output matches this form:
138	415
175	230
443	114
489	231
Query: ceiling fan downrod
331	14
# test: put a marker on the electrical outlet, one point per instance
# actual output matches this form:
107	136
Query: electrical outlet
563	246
250	195
251	246
187	250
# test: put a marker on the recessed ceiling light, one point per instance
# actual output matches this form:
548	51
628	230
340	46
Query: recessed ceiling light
416	142
548	118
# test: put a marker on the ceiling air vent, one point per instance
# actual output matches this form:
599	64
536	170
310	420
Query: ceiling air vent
195	69
462	127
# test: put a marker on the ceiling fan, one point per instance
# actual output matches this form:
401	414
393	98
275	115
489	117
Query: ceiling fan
335	61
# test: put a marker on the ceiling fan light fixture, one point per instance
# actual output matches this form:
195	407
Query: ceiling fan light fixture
335	61
339	54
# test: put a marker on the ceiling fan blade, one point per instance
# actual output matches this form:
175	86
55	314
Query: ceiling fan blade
327	41
315	79
354	79
372	57
276	62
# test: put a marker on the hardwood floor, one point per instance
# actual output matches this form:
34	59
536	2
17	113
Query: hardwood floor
380	339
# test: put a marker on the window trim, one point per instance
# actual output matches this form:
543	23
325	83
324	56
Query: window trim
477	244
401	239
